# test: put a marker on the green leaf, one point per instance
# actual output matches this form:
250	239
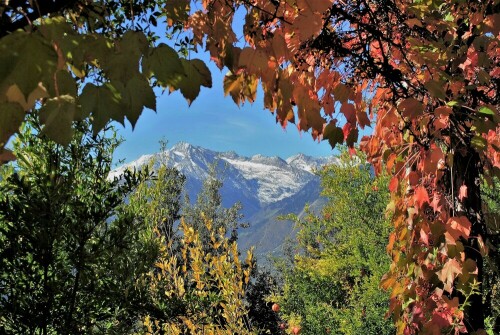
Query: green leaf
352	138
64	84
486	111
138	94
25	60
57	116
333	134
123	62
11	117
103	103
197	75
164	64
435	88
479	142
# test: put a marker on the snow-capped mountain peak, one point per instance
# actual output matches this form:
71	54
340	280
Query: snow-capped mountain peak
265	179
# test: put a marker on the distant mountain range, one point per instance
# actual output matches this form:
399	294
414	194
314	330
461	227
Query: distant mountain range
265	186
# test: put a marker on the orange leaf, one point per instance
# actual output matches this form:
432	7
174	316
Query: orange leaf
448	273
362	118
411	108
393	185
421	196
457	227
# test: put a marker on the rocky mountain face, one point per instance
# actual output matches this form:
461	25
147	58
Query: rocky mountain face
265	186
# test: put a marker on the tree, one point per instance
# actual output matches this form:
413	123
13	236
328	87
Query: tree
88	58
427	72
260	314
332	285
199	292
158	200
71	255
208	206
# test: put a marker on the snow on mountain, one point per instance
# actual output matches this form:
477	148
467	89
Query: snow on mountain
270	179
265	186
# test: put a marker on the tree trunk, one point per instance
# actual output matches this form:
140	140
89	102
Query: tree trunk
466	171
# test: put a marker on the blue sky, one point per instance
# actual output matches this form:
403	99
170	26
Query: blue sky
215	122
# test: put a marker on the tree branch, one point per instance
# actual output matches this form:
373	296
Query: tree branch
8	26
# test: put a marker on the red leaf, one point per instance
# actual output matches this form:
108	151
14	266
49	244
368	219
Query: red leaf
349	112
393	185
421	196
413	178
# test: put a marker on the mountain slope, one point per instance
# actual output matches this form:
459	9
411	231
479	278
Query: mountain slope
266	186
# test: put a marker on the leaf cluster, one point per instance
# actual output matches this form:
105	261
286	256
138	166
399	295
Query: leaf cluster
333	285
70	252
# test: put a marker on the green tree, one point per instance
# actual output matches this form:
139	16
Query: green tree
260	314
491	208
158	200
332	285
71	254
209	206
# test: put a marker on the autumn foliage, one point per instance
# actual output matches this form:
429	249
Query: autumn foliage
424	73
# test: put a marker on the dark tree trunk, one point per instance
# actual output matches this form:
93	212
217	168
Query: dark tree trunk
466	171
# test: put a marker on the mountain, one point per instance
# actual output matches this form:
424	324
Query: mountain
265	186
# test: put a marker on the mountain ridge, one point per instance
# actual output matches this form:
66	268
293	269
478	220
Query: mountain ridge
265	186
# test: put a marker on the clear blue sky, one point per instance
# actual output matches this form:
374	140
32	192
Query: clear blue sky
215	122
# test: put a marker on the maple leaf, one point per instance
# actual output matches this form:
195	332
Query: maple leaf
197	75
411	108
349	112
393	185
164	63
57	115
11	117
436	202
421	196
138	94
451	269
255	61
333	134
362	119
457	227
